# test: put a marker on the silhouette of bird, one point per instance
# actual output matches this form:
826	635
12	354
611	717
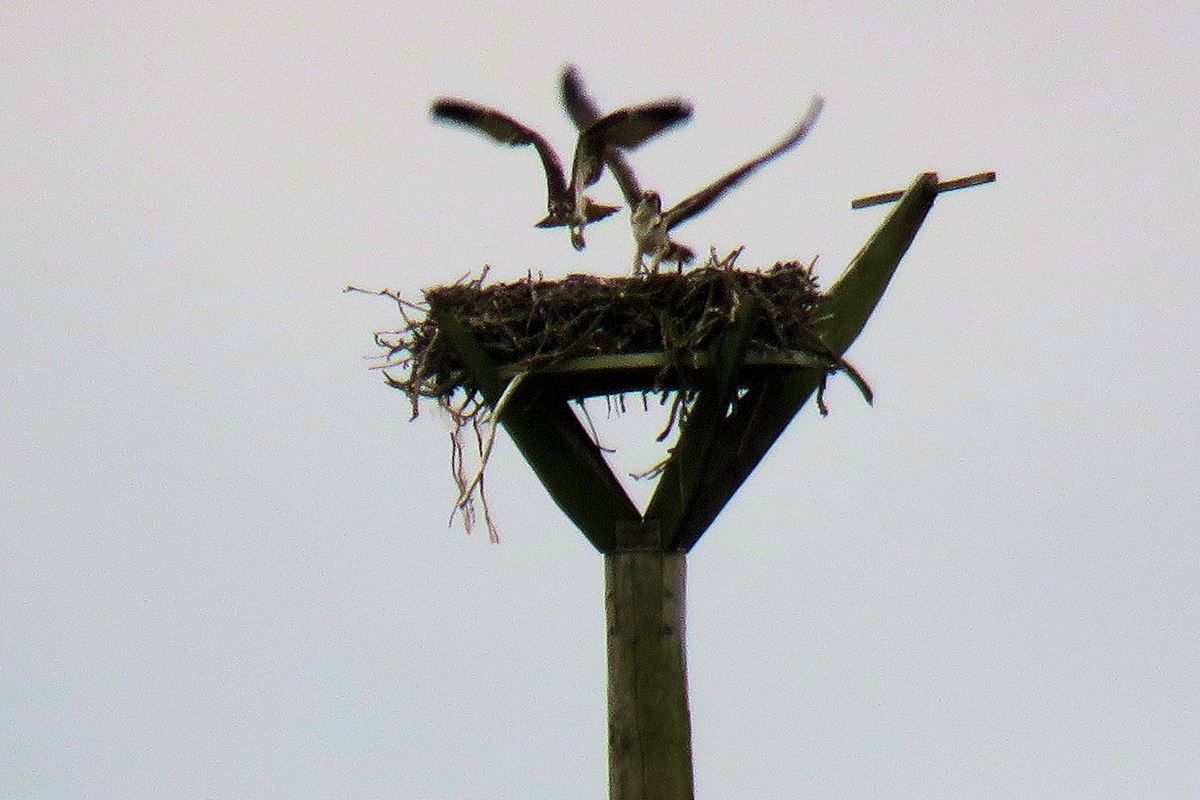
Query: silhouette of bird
652	225
566	203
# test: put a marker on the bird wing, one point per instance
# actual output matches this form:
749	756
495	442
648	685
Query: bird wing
691	206
505	130
584	112
626	128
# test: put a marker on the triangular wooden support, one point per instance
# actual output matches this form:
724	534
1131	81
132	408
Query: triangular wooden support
764	412
717	450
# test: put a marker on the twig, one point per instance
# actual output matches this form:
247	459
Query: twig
485	445
653	472
393	294
582	405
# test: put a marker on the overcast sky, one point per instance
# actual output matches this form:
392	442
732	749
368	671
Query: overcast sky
225	568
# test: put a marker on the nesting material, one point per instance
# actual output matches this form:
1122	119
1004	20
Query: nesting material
534	323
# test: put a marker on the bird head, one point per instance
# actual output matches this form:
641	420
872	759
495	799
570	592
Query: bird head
651	198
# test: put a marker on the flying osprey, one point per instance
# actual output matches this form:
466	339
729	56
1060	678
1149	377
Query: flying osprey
651	225
566	203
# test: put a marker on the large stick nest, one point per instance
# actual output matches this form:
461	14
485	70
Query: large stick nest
533	323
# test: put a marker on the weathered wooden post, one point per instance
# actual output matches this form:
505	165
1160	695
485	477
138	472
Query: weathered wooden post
740	400
649	725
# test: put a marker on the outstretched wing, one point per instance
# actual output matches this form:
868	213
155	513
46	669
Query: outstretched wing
626	128
505	130
691	206
584	112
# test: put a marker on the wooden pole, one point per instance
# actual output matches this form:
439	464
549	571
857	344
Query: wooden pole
649	726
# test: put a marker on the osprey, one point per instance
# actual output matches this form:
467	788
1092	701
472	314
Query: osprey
566	204
651	225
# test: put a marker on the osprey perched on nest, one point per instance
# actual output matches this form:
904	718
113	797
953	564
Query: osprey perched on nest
566	204
651	225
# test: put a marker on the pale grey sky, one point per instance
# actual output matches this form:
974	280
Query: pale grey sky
225	570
